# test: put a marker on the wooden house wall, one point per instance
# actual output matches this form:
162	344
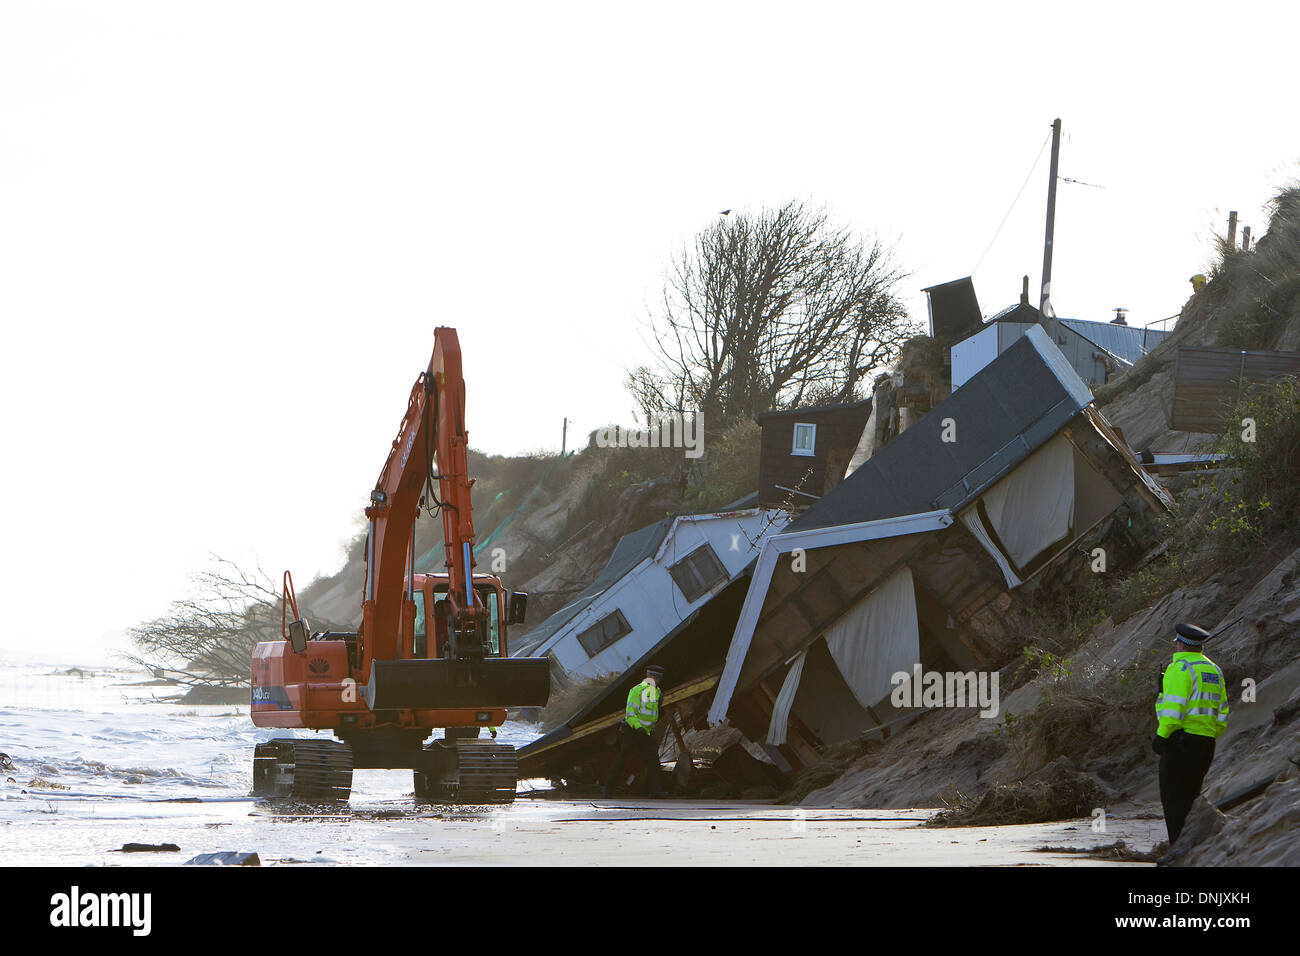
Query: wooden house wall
838	431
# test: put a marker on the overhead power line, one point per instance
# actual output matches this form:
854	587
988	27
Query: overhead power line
1019	193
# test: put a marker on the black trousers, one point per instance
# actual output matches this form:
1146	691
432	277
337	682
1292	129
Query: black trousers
637	741
1183	766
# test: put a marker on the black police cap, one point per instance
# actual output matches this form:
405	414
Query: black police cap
1191	634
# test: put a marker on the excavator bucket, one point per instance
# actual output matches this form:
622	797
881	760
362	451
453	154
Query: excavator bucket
450	684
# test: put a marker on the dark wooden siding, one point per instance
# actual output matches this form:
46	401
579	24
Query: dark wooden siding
1207	383
838	431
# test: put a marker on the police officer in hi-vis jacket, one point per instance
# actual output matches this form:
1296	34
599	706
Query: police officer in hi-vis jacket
1192	711
637	732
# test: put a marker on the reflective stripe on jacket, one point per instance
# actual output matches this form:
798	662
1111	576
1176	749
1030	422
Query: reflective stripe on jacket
643	706
1193	697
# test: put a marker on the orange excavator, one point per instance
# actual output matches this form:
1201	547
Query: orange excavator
431	650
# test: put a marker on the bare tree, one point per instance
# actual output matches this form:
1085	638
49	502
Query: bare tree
770	310
207	640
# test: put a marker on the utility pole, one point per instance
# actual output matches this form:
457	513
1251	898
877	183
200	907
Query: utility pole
1232	229
1245	239
564	437
1051	215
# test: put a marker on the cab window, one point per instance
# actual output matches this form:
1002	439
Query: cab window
421	627
488	595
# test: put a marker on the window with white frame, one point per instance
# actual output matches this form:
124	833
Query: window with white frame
604	633
805	439
698	573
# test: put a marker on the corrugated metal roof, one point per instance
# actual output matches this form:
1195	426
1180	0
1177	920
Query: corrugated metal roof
1129	342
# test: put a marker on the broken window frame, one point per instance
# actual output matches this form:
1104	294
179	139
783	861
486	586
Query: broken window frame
622	629
701	583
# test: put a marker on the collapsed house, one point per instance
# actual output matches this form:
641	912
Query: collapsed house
920	555
656	580
678	612
919	558
578	752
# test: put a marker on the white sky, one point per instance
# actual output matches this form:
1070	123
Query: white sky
228	229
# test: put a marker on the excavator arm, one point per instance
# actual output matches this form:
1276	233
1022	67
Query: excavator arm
431	450
430	447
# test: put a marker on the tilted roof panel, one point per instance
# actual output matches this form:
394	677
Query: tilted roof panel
1005	412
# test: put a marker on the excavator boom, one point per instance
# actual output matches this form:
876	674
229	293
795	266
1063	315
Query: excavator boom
432	447
432	432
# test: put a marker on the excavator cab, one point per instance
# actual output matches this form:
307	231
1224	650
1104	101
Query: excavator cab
491	599
433	592
446	673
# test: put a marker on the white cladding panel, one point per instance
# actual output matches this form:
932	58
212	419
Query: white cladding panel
649	598
972	354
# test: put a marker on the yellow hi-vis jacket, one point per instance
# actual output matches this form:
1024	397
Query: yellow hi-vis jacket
643	707
1193	697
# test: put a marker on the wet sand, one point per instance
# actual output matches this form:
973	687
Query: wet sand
65	829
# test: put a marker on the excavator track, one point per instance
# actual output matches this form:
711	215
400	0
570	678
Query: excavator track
488	772
307	771
485	772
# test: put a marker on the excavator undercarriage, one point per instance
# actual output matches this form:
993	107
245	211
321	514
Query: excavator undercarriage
447	770
306	771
